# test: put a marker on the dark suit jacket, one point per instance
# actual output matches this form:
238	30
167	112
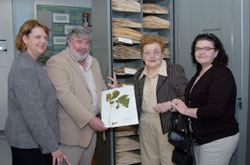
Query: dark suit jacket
168	88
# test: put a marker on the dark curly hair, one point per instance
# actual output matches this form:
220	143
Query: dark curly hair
222	57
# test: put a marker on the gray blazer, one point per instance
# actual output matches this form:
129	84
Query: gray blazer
32	106
168	88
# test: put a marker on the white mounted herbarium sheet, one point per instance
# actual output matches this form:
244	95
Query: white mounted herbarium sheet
119	107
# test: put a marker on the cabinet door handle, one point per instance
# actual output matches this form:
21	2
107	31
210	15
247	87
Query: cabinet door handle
238	104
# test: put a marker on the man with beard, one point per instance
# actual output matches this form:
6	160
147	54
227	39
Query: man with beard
78	81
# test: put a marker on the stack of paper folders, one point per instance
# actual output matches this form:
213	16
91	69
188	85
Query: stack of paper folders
126	144
154	9
153	22
126	52
126	35
122	22
124	131
126	5
126	158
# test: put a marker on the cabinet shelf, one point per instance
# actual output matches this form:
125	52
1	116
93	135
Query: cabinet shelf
126	54
126	11
124	29
155	28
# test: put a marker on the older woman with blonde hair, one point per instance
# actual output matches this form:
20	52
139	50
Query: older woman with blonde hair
156	84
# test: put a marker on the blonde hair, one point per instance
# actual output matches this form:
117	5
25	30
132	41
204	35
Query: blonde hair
150	39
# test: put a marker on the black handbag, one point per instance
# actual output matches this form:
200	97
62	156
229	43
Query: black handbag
180	136
182	157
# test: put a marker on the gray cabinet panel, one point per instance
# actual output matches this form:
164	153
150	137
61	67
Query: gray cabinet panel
229	20
101	32
210	14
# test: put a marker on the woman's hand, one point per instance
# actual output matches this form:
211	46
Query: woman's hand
114	81
179	105
58	157
163	107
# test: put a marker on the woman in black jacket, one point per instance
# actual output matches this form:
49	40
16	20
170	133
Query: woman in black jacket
210	98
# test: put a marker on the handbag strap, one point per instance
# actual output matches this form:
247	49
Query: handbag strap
178	120
185	123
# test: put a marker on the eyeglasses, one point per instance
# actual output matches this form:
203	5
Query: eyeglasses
155	53
206	49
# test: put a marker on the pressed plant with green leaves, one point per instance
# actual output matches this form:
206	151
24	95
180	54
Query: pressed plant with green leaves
115	101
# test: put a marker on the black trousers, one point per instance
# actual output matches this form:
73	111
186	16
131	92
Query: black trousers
30	157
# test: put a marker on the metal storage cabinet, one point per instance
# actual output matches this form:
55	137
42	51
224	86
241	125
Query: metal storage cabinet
102	15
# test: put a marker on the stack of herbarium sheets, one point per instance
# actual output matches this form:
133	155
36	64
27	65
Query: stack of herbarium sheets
124	131
153	22
126	144
166	53
126	158
126	5
154	9
121	22
126	33
126	52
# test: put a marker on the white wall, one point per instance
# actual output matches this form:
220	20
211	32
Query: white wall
6	33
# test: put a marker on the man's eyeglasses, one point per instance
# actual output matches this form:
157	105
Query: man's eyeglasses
206	49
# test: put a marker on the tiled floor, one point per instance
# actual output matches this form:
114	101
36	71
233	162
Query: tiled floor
5	153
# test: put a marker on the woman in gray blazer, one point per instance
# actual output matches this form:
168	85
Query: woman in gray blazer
32	104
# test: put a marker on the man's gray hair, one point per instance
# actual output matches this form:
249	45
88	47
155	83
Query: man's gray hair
75	31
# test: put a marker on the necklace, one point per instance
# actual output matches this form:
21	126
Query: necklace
199	77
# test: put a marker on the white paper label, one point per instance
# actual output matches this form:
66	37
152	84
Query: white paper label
125	40
130	71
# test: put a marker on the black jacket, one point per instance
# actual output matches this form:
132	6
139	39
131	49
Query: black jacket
214	95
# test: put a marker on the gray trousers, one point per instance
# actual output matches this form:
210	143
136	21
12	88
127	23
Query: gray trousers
79	155
218	152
